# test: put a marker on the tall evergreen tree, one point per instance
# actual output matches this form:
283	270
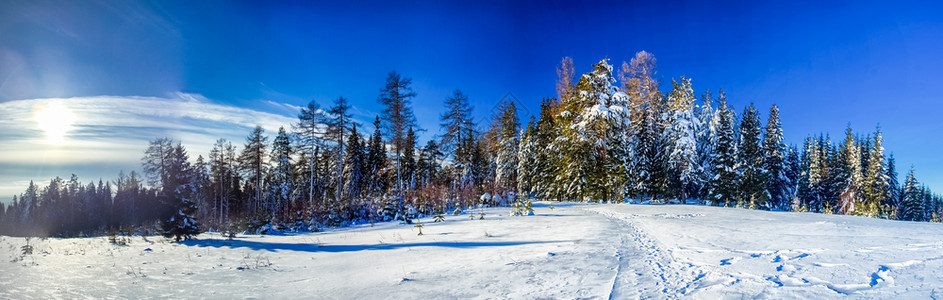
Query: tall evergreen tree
793	174
506	156
545	166
252	162
409	159
723	186
282	173
155	161
750	161
681	134
310	133
849	175
705	130
593	165
527	161
876	190
774	162
398	117
911	207
179	189
338	127
892	203
354	170
429	163
376	160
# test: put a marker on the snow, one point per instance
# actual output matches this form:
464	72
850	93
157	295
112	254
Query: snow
613	251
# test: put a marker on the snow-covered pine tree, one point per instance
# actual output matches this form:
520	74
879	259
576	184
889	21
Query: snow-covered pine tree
456	125
705	130
506	156
545	167
682	154
527	160
310	133
849	175
396	97
429	163
793	171
876	190
178	191
831	185
891	204
723	185
774	162
817	174
376	162
253	164
338	126
354	173
911	207
647	163
750	162
222	174
409	160
282	175
596	137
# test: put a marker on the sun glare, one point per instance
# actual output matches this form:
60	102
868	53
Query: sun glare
56	120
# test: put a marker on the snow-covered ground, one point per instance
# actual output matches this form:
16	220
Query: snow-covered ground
615	251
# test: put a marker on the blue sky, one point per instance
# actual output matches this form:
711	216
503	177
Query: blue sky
824	64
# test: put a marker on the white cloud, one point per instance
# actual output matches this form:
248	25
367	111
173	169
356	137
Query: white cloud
113	130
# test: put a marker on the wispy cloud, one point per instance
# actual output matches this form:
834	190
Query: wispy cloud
114	131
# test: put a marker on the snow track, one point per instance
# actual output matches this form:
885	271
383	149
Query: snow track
669	274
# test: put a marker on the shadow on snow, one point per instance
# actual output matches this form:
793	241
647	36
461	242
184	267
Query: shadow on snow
255	245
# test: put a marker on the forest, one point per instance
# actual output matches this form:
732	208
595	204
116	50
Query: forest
610	137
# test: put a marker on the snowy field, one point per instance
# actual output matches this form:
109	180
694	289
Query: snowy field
572	251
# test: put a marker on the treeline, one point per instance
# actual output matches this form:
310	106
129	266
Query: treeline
601	140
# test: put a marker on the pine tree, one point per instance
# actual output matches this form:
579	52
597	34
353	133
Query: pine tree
912	206
429	163
252	162
876	190
683	158
545	166
310	133
457	128
154	161
830	188
398	117
793	173
178	190
593	165
376	160
506	156
527	160
723	186
750	161
410	163
354	168
849	175
705	130
223	174
646	171
892	202
338	127
774	163
282	184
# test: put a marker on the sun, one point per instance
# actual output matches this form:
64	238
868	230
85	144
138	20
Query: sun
56	120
